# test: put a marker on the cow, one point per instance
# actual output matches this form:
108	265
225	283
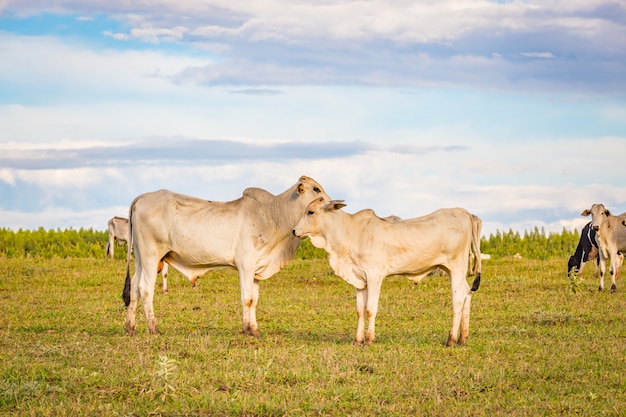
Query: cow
251	234
587	250
118	229
363	249
611	238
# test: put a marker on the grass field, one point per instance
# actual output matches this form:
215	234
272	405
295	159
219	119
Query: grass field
536	347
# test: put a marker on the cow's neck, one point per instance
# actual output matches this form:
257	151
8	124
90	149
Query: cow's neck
335	237
287	209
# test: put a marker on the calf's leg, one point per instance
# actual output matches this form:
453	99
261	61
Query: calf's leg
461	292
465	319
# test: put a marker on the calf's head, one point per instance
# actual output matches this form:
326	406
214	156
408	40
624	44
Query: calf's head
599	214
313	223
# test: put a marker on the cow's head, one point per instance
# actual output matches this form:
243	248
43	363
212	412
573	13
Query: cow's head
572	265
308	189
313	223
598	214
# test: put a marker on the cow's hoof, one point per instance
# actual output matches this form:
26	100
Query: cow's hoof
254	333
613	288
130	329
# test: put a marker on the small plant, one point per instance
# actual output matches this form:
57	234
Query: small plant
164	378
574	280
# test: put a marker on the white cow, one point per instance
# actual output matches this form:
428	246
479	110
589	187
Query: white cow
251	234
364	249
118	229
611	239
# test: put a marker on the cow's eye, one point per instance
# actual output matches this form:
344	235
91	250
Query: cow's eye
317	190
310	212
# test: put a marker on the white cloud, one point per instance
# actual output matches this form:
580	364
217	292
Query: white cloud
69	179
118	36
156	35
34	62
545	55
407	185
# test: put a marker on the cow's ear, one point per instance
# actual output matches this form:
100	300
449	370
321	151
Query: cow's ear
335	205
300	189
585	213
607	213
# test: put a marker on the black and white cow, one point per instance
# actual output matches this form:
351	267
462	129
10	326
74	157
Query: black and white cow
587	250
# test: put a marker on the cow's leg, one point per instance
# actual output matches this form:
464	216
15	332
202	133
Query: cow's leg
131	310
361	301
373	295
146	289
460	293
110	251
254	327
164	272
614	261
602	269
249	300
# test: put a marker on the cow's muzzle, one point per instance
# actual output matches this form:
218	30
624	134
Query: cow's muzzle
595	228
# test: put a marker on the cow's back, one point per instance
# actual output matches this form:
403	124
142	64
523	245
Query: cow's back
187	226
619	232
119	226
411	245
442	229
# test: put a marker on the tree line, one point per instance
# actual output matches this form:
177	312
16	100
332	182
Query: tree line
89	243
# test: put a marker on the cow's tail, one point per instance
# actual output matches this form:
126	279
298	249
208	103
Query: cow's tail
126	292
108	250
477	226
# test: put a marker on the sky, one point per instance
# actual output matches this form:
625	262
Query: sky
514	110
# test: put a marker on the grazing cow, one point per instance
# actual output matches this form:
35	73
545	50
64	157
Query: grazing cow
118	229
611	238
364	249
587	250
251	234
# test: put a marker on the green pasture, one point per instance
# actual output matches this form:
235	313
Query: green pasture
536	346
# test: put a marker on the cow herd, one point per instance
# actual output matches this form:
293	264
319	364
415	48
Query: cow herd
259	233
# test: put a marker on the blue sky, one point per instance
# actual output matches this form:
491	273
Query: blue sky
515	110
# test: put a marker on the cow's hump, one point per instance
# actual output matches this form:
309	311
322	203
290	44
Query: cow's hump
258	194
